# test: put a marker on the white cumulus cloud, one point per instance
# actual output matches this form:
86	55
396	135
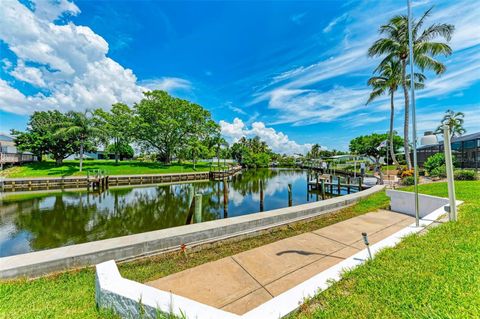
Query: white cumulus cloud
167	84
277	141
66	63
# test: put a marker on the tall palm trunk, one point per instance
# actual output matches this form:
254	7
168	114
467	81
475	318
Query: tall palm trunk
81	155
406	145
392	114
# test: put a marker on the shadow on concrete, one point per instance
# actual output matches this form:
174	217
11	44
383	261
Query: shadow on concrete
300	252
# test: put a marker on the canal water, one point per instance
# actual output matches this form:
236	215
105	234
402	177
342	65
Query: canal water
37	221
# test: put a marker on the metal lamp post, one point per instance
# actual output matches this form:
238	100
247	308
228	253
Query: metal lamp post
414	120
449	168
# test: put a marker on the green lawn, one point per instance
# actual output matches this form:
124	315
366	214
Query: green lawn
70	168
434	275
72	294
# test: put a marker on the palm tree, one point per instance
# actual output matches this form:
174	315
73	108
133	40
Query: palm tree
81	126
455	121
195	148
315	151
425	48
218	142
388	79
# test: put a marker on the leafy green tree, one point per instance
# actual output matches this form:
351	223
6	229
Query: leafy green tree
388	79
81	126
256	160
455	122
252	152
195	149
394	45
41	137
117	126
370	145
166	124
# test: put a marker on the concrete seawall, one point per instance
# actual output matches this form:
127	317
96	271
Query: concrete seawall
126	247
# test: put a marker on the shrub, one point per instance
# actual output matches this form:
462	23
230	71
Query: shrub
408	180
405	172
440	171
465	175
434	163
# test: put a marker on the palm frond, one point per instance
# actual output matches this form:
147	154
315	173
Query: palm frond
383	46
426	62
443	30
375	94
377	80
432	48
420	22
390	58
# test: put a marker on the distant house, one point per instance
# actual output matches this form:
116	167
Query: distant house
9	153
466	149
97	155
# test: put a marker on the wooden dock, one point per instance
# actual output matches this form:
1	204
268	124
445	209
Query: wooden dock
326	183
221	174
97	180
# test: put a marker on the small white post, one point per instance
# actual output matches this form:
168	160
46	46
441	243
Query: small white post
449	169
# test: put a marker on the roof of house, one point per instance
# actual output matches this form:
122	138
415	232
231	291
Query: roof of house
468	137
5	138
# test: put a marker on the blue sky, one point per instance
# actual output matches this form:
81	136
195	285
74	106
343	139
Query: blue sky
293	73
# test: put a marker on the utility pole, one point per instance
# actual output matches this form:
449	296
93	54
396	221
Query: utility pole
414	120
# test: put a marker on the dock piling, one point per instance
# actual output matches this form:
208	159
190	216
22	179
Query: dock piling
261	196
289	194
225	198
198	208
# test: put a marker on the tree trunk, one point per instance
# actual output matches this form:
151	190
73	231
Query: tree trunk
81	155
194	161
116	151
58	161
392	114
406	145
379	168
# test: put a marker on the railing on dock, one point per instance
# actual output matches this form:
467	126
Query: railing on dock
221	174
326	183
97	180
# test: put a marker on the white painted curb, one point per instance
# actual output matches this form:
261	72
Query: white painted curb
123	295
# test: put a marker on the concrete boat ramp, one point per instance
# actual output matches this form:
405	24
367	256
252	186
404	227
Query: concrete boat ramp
240	283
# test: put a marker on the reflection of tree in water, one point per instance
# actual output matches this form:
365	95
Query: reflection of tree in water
62	224
68	218
87	217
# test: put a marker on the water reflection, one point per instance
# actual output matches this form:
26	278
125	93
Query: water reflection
65	218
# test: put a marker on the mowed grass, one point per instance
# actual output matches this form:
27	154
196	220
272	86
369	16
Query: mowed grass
71	168
432	275
72	294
